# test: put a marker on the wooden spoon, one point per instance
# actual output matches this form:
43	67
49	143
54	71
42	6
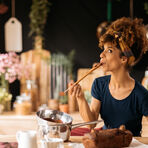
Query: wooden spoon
90	71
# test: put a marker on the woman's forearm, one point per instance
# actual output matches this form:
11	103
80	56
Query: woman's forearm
85	111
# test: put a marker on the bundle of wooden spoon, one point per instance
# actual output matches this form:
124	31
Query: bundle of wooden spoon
90	71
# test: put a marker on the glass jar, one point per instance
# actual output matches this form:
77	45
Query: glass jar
23	105
30	90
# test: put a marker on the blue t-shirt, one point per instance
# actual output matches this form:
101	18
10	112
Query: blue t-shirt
128	111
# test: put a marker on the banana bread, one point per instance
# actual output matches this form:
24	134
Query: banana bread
109	138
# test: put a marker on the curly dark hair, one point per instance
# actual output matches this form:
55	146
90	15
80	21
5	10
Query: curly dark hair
133	34
101	29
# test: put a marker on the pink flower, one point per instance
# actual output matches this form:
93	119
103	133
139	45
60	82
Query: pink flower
10	66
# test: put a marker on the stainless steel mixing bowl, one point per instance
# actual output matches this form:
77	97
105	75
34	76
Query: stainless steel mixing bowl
49	126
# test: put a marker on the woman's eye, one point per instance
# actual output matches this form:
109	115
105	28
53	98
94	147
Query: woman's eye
110	51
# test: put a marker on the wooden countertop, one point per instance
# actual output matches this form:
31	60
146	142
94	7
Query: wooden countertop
27	122
10	123
73	139
10	119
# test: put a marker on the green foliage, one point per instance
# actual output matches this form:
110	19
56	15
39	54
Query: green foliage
62	59
71	59
64	64
38	16
146	7
4	95
63	99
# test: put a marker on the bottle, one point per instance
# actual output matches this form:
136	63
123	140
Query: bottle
31	91
145	79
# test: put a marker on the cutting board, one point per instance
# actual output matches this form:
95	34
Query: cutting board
39	73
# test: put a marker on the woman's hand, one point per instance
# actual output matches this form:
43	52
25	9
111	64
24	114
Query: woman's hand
87	113
76	91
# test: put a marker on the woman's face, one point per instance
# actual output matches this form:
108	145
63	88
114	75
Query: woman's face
110	58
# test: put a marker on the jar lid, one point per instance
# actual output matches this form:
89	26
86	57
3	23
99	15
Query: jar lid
43	107
22	98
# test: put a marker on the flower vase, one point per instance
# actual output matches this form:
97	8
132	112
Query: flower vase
4	83
5	96
38	42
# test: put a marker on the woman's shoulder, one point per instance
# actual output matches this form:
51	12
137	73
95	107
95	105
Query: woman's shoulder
140	90
101	82
105	78
100	86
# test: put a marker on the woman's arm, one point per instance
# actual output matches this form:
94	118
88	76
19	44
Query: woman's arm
146	117
87	113
95	107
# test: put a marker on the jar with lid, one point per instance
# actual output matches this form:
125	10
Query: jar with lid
22	105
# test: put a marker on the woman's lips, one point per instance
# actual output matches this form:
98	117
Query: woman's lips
102	63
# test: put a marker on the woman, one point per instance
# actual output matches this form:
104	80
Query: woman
118	97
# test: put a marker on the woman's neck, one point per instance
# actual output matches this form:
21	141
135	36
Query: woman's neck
121	79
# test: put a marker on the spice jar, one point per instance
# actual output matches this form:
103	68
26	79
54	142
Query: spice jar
23	105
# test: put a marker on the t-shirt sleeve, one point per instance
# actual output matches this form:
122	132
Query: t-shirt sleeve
145	105
96	90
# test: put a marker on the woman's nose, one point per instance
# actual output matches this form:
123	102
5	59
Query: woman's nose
102	54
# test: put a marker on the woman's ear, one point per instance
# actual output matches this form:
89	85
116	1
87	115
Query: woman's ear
124	59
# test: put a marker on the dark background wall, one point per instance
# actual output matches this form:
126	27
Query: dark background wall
72	24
